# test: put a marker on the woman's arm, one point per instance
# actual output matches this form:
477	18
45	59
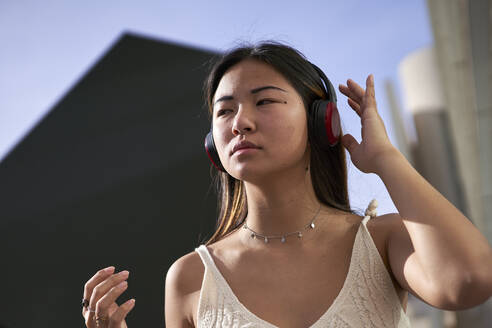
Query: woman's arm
181	279
434	250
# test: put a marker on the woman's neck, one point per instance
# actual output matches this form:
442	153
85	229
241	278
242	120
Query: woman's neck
282	204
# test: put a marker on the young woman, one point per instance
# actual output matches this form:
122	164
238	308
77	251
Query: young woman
288	250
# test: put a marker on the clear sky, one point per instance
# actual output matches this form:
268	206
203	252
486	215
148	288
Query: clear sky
46	46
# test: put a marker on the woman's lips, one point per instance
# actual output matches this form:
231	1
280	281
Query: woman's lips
244	144
245	150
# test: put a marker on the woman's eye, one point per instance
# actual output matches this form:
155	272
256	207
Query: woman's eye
223	111
265	101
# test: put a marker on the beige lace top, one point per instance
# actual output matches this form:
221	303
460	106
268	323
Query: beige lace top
367	298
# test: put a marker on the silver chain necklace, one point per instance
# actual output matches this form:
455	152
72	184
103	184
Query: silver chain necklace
311	225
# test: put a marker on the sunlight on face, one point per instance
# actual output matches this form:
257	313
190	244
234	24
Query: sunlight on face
255	103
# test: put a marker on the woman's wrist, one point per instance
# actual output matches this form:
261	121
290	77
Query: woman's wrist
386	159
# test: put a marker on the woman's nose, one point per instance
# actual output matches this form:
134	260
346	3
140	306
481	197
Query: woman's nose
244	122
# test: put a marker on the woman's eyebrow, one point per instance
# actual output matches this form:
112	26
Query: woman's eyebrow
255	90
266	87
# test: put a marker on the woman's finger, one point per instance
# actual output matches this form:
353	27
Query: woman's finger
96	279
349	93
356	90
369	97
120	314
355	106
113	307
105	302
103	287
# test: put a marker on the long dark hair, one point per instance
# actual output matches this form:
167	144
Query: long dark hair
328	168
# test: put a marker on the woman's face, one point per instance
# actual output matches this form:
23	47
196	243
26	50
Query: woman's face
256	104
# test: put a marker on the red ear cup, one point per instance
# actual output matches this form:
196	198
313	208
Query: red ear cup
324	123
324	119
212	153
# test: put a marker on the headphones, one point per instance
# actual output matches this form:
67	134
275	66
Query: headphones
323	123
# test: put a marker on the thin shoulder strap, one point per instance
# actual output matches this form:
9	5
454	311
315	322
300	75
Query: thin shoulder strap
204	255
208	261
370	211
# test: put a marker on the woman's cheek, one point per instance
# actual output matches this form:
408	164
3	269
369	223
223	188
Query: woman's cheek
296	138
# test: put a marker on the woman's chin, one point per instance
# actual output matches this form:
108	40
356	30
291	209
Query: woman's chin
248	172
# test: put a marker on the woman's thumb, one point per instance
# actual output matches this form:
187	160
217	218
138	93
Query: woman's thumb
349	142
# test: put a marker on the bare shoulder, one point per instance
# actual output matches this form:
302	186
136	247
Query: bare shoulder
183	273
183	281
388	227
381	228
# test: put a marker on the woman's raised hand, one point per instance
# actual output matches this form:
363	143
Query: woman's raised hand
99	303
375	141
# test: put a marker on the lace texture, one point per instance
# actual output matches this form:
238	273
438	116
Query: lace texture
367	298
